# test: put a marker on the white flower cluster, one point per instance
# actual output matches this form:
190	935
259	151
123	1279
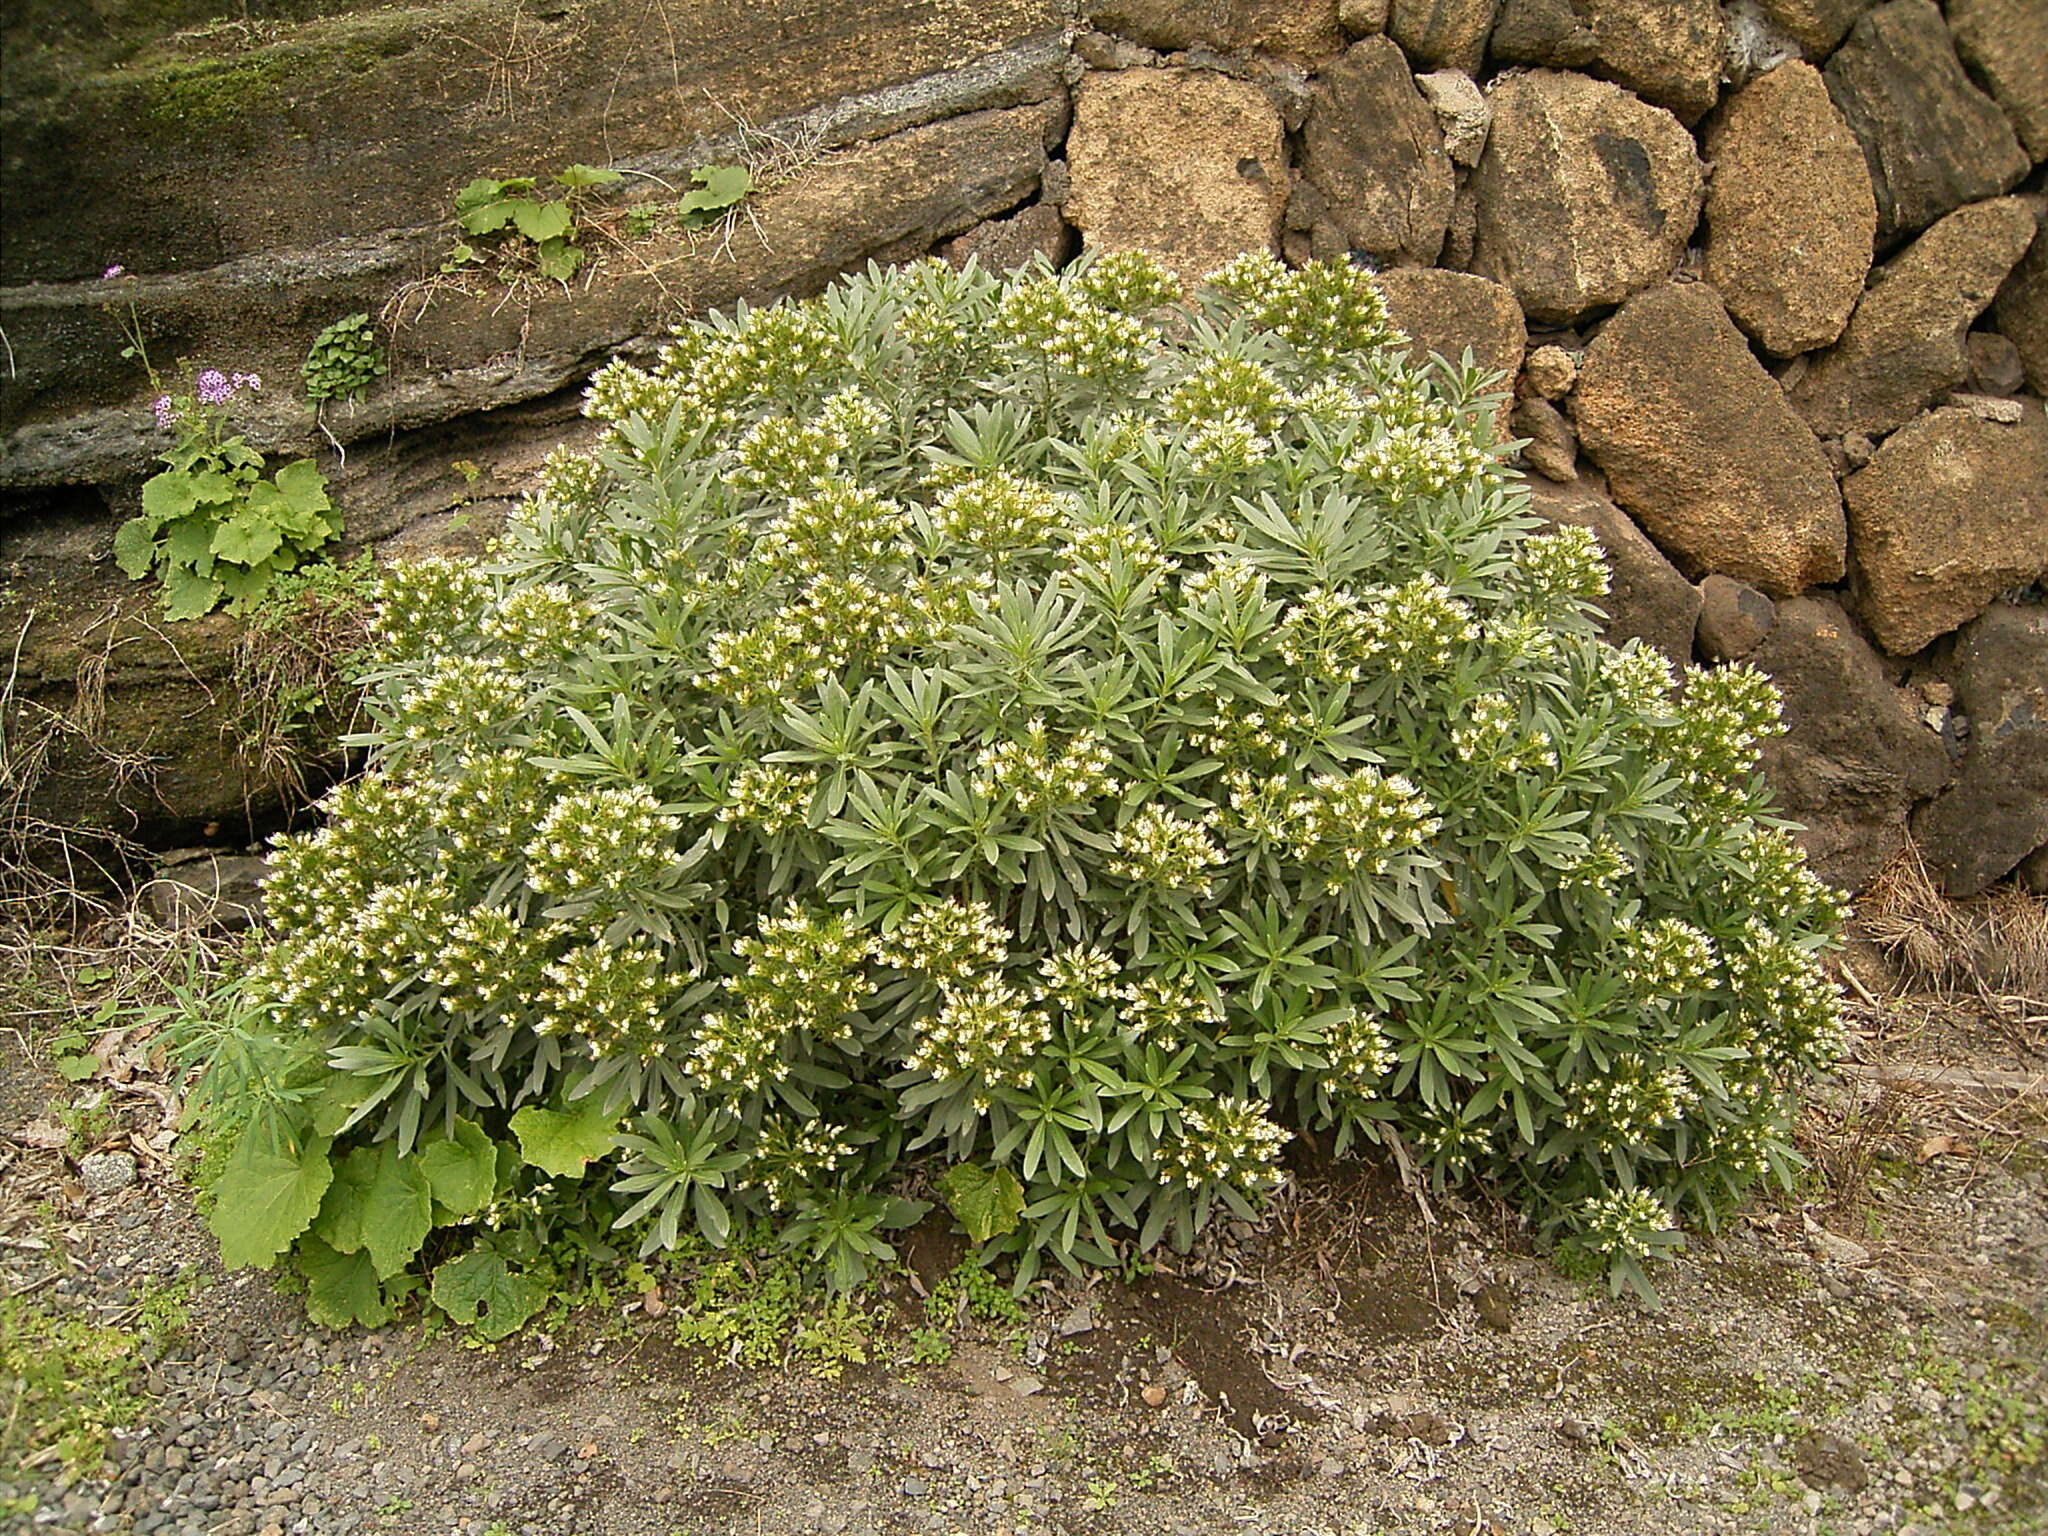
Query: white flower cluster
1360	1053
458	701
1779	980
1490	734
1355	823
399	925
1638	679
1628	1103
984	1032
572	479
1779	881
772	796
1327	633
539	626
419	602
1417	627
1662	961
1617	1224
791	1160
998	511
1226	445
1158	847
1164	1006
1131	282
1713	741
1405	461
806	971
1328	311
1600	868
836	620
1078	976
1041	778
1449	1143
487	960
840	528
1057	323
946	940
1562	567
1229	1141
601	839
1220	386
607	997
1115	555
786	455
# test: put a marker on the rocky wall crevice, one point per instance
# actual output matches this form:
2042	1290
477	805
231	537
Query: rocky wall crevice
1769	281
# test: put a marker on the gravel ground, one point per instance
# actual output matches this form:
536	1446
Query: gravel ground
1867	1357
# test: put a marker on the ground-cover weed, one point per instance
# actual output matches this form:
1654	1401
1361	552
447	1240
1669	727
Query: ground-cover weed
1033	742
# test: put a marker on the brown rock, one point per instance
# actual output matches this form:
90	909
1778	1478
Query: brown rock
2022	308
1187	163
1443	33
1734	618
1584	194
1827	1461
1933	141
1816	25
1462	112
1004	245
1362	18
1372	146
1855	756
1952	510
1304	30
1790	216
1552	449
1701	448
1903	347
1445	313
2006	43
1551	372
1647	600
1670	52
1995	813
2032	872
1995	365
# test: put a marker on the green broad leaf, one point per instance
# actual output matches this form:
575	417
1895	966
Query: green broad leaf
461	1170
189	595
342	1289
560	259
541	222
988	1202
303	487
336	1101
379	1203
490	218
167	496
135	547
247	539
461	256
480	1290
244	584
564	1145
266	1196
588	176
718	188
212	488
478	193
189	542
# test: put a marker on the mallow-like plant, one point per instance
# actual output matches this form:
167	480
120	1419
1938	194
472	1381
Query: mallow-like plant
1035	743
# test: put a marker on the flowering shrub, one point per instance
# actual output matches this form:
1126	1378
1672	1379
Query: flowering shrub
1039	742
212	525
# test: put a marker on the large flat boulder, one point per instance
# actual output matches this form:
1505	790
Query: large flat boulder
1187	163
1647	599
1790	216
1700	447
1932	139
1856	756
1905	345
1952	511
1373	147
1305	31
1584	196
1995	813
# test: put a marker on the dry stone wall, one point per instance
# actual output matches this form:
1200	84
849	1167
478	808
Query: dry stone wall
1768	281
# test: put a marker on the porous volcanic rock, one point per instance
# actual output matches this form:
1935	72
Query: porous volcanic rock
1187	163
1995	364
1584	195
1462	111
1003	245
1933	141
1700	447
1904	346
1553	33
1647	599
1552	447
1372	147
2022	307
1995	813
1734	618
1855	757
1816	25
1302	30
1446	312
1790	215
1670	52
2006	42
1951	511
1443	33
1362	18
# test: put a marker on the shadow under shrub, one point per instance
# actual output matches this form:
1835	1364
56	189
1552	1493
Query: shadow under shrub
1034	743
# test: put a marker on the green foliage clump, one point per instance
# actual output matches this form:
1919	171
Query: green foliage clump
1043	728
344	361
512	215
213	523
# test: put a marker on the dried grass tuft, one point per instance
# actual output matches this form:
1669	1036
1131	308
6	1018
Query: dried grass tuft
1994	945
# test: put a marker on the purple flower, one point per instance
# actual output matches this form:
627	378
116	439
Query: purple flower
212	387
166	413
249	381
116	270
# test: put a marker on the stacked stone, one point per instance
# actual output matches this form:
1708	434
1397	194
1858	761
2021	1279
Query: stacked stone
1771	285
